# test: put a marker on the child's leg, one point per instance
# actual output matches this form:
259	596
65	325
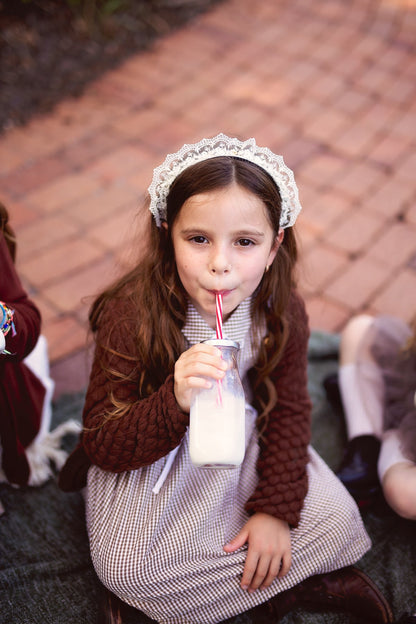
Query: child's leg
398	476
363	411
361	389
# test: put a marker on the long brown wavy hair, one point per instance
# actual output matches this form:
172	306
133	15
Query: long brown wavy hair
160	301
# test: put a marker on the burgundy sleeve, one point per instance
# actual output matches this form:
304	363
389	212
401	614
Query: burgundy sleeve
283	482
152	427
26	317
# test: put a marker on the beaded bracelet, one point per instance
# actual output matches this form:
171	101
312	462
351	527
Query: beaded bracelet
6	319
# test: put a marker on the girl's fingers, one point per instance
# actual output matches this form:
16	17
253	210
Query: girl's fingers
260	574
286	563
237	542
200	363
249	571
273	572
203	370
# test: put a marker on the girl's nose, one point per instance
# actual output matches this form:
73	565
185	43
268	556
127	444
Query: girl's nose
219	264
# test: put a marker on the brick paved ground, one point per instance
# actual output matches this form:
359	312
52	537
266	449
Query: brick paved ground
329	84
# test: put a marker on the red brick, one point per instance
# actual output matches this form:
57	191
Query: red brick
118	164
62	191
169	136
408	167
20	214
297	150
65	336
47	310
318	266
325	315
115	232
326	124
411	214
355	232
36	173
71	372
401	90
324	209
43	232
59	260
79	289
380	116
322	169
405	124
390	150
276	136
356	141
352	102
375	79
133	122
398	298
391	198
395	246
121	89
327	86
357	181
91	147
357	284
103	203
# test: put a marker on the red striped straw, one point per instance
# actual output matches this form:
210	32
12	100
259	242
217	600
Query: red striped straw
218	311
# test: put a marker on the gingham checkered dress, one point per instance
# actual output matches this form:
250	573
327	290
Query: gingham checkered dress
163	553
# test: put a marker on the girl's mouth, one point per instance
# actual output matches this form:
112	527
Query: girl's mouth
224	293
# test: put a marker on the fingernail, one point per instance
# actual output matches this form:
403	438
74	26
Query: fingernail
245	587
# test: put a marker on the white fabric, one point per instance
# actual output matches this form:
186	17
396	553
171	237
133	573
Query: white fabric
363	416
390	452
163	553
38	362
2	342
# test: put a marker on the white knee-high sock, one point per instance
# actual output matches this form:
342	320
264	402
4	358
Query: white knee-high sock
362	399
390	452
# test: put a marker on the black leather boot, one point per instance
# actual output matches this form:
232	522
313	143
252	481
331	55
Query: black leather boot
358	469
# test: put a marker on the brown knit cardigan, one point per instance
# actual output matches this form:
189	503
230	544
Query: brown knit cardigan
155	425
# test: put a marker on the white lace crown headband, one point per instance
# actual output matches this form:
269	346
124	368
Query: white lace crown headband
222	145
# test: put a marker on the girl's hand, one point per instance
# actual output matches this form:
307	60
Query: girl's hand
191	370
269	550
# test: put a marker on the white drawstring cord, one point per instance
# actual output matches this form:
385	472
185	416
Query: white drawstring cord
169	461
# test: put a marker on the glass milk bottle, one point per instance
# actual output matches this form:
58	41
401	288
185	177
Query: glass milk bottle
217	416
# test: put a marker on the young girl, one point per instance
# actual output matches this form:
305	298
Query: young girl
26	388
377	379
191	545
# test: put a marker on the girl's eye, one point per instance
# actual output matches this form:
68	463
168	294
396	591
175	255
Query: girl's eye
245	242
198	239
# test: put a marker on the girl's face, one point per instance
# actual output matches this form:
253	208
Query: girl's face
223	242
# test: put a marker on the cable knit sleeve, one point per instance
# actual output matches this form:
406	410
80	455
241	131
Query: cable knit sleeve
152	427
283	483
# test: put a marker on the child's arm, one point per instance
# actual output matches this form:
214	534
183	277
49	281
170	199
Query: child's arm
269	550
22	338
283	484
154	425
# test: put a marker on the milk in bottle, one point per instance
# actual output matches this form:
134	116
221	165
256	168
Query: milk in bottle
217	416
